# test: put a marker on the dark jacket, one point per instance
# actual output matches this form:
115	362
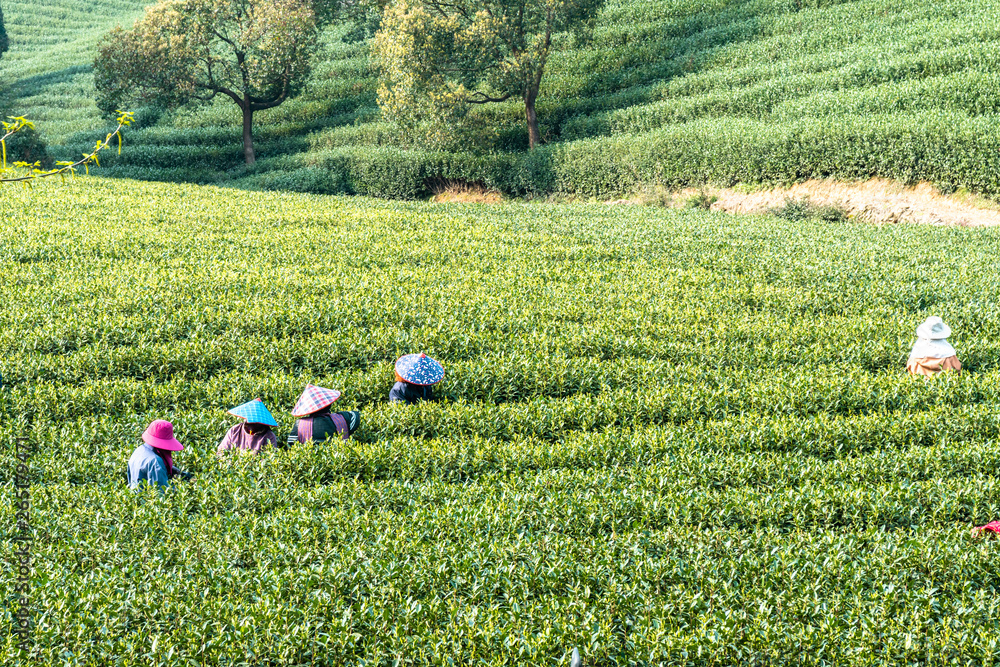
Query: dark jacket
410	393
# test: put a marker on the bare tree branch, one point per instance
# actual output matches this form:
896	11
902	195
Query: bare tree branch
258	104
123	120
482	98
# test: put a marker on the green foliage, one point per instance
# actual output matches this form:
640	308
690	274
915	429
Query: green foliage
303	179
951	150
383	172
807	84
21	171
4	40
256	52
702	201
362	16
665	437
794	210
438	58
797	210
25	146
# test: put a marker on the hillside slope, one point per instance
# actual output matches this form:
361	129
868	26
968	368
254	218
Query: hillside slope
670	91
46	75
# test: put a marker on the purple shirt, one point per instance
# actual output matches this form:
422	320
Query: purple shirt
238	438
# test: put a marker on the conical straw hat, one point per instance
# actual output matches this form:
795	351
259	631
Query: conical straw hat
314	398
254	412
419	369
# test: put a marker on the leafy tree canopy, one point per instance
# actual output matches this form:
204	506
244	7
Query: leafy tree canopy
256	52
439	57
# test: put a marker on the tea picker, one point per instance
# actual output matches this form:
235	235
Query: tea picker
316	422
932	353
416	375
982	531
152	462
254	433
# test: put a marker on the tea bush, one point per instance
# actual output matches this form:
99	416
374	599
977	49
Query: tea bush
665	436
797	210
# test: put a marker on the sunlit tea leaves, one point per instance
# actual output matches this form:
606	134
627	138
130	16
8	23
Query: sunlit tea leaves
664	437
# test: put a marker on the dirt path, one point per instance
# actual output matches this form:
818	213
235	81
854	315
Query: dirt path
877	200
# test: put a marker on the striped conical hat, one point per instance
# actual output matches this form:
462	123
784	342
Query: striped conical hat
314	398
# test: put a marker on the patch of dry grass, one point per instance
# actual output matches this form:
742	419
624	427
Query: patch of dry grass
463	192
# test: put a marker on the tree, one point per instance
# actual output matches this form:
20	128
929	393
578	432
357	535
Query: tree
4	42
256	52
440	57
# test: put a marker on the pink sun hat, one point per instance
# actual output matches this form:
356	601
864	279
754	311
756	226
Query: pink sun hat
160	434
314	398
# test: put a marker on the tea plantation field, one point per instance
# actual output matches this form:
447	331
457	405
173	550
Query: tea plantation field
671	92
666	437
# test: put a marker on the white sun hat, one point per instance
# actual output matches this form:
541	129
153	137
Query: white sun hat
933	328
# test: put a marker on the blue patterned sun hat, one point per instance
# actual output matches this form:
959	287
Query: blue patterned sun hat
419	369
254	412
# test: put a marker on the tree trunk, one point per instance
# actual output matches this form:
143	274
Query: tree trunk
534	138
248	133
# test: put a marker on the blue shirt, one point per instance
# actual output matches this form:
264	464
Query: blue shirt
146	465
